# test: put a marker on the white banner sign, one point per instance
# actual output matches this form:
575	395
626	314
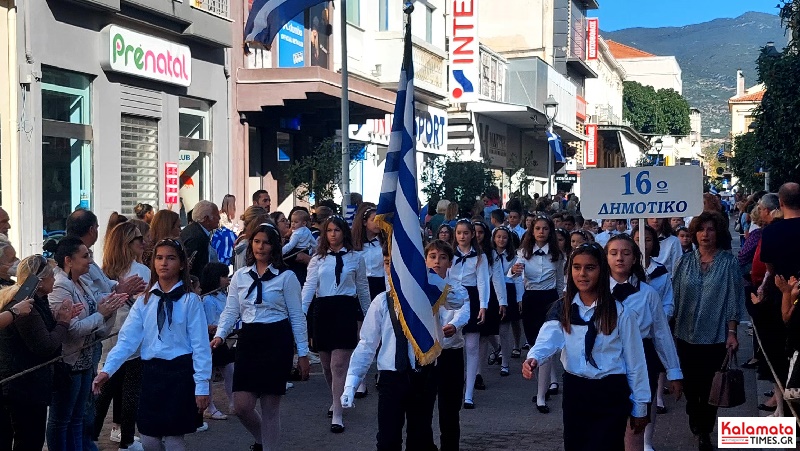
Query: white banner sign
145	56
642	192
464	51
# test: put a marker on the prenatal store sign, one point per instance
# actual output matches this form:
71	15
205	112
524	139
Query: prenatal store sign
643	192
145	56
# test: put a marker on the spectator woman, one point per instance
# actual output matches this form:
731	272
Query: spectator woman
438	218
165	224
709	303
227	214
30	341
144	212
65	427
451	214
121	259
283	225
446	234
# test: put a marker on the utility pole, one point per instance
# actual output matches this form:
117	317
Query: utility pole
345	186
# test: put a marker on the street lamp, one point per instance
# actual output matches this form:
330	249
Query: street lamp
658	145
550	112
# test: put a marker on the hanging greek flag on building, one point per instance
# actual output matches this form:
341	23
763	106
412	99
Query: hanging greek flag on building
556	147
416	292
267	17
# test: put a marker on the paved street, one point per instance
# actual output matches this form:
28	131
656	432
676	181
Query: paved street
504	418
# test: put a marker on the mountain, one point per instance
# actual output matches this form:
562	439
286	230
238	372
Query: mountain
709	55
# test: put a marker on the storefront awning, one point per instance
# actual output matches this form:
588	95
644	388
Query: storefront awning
631	144
523	117
259	89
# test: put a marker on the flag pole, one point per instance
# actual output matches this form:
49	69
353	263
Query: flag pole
345	186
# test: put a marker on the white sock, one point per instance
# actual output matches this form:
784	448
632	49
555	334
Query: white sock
472	341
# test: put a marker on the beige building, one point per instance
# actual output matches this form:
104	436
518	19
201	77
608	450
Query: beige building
743	105
660	72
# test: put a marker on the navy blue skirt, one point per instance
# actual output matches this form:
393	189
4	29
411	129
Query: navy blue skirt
167	403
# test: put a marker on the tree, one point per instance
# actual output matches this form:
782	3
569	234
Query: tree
448	177
748	162
710	156
651	112
319	173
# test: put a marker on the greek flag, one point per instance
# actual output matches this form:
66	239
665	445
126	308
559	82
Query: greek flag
555	146
416	292
268	16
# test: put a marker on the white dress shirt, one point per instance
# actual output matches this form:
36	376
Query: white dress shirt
187	334
619	353
670	253
280	300
378	331
473	272
213	305
373	258
503	267
603	237
301	238
541	273
653	325
663	286
321	279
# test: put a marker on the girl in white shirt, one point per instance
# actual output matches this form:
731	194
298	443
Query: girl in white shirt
605	377
169	324
628	287
471	269
265	295
540	263
490	329
670	246
214	282
504	254
337	276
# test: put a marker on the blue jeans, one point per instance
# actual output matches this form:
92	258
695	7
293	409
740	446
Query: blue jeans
65	421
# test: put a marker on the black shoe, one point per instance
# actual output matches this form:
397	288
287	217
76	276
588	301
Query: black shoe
330	413
256	447
504	371
362	394
526	347
516	353
469	405
750	364
337	428
543	409
767	408
704	443
661	410
479	385
493	358
768	394
553	390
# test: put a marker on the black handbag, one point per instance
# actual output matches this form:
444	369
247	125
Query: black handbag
727	388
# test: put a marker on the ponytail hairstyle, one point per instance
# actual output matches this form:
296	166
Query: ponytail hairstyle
275	240
141	210
324	246
184	274
637	269
485	245
606	310
654	236
529	241
474	242
511	249
365	210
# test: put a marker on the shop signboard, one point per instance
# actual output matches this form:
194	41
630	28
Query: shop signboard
590	157
464	51
566	178
171	183
592	36
145	56
291	52
431	124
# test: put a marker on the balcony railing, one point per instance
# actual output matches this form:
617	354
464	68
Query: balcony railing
428	66
215	7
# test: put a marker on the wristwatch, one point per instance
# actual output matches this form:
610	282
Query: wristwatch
14	313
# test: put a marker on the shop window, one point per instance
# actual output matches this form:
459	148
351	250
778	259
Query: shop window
194	159
139	175
354	12
428	24
66	146
383	15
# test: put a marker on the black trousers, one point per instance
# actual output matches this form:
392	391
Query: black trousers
123	388
406	397
699	363
22	424
450	366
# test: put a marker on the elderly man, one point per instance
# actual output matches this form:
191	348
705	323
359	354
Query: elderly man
196	237
5	226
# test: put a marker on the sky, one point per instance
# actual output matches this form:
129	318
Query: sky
618	14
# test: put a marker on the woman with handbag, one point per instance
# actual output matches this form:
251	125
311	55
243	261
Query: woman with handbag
709	303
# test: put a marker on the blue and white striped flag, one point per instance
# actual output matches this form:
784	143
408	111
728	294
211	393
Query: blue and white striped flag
556	147
268	16
417	293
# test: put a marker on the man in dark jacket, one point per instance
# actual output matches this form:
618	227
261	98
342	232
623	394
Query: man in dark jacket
196	237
